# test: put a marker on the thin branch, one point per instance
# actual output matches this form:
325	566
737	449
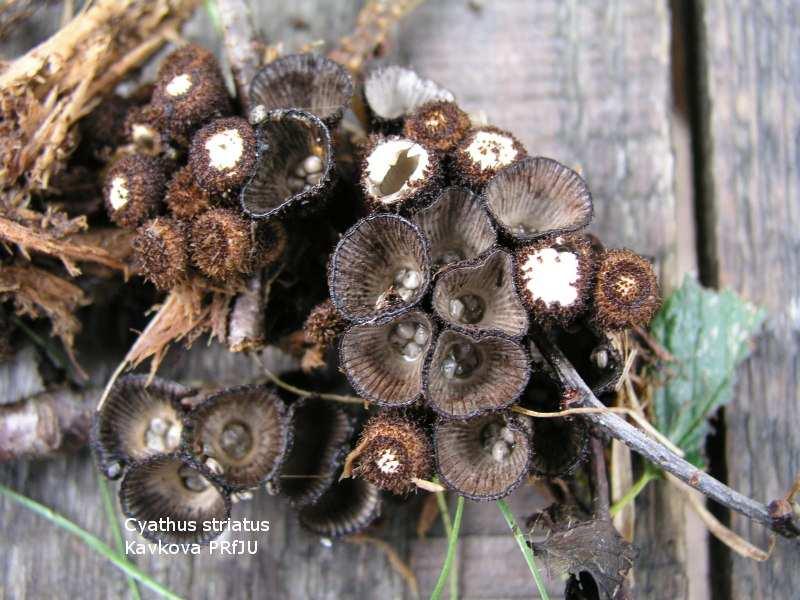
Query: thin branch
654	451
309	394
242	44
599	478
728	537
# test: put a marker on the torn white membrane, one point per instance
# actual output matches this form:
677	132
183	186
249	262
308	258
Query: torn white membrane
551	276
393	167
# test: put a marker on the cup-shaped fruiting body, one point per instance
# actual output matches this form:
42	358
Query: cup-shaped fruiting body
241	433
295	165
394	92
394	451
223	155
593	354
483	153
398	174
271	241
439	125
221	243
308	82
380	267
137	421
456	226
189	91
322	434
538	196
554	277
347	507
480	296
626	293
161	252
166	486
184	198
384	361
558	445
483	458
467	375
133	189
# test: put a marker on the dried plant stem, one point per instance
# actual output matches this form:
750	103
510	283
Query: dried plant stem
45	424
307	393
599	479
452	543
523	546
654	451
641	421
243	46
65	250
373	26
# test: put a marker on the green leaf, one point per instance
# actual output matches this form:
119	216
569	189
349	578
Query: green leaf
708	332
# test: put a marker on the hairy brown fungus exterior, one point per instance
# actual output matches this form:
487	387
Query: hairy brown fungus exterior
626	293
324	324
161	252
394	92
558	445
133	189
137	421
536	197
347	507
466	375
439	125
186	96
483	153
309	82
484	458
398	173
221	244
242	432
322	435
295	167
480	296
380	268
394	451
554	277
456	226
187	57
166	489
184	198
384	361
223	155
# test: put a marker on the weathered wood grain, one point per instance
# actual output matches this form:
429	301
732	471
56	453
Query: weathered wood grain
584	82
752	184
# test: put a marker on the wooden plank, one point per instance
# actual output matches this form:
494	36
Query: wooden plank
752	86
585	82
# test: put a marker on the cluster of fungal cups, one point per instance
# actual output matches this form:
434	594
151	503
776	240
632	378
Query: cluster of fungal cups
470	249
